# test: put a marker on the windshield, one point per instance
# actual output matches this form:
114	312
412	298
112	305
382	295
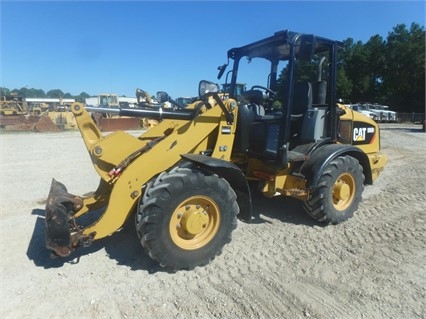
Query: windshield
254	72
285	63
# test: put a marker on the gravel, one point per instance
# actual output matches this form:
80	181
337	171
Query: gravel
283	265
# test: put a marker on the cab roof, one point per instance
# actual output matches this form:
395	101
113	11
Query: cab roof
277	47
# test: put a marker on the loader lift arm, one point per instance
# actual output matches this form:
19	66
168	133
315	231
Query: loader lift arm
121	161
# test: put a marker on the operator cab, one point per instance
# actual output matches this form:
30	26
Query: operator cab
296	107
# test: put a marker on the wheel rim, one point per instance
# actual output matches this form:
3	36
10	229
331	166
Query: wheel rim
195	222
343	191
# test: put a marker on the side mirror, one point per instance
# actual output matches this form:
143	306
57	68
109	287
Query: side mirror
162	97
221	69
207	87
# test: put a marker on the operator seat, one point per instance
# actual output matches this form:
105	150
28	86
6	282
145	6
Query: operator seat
250	112
302	102
319	93
257	134
246	116
255	100
302	99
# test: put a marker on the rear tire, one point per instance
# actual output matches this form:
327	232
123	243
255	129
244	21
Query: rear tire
185	217
338	193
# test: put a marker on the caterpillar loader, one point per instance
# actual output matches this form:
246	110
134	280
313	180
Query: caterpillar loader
187	180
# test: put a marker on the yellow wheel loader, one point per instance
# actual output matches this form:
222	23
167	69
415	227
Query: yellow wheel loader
186	181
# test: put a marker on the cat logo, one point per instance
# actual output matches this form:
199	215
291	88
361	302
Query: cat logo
359	134
362	134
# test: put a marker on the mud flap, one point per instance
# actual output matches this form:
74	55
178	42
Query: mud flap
60	207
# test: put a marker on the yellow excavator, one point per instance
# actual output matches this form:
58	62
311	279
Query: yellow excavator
187	180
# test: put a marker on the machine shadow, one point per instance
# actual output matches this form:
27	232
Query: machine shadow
124	245
41	256
283	208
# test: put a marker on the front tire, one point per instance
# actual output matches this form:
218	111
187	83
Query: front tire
185	217
338	193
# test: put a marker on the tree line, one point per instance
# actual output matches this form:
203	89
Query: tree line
388	71
38	93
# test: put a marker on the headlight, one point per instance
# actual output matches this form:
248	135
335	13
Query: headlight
207	87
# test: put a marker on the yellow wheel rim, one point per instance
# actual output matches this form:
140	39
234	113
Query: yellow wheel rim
343	191
195	222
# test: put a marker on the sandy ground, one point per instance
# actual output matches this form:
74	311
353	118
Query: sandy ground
283	265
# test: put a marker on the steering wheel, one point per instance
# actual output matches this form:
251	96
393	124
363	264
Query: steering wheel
272	93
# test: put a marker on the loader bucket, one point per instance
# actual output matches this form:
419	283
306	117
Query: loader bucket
60	207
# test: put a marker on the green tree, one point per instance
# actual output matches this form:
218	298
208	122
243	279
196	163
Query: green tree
26	92
344	83
84	95
357	69
57	93
404	75
375	55
4	91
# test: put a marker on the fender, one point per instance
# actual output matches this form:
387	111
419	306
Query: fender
320	157
233	175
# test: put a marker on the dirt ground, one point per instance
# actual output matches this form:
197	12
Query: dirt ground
283	265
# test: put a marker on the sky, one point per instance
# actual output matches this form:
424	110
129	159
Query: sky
117	46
